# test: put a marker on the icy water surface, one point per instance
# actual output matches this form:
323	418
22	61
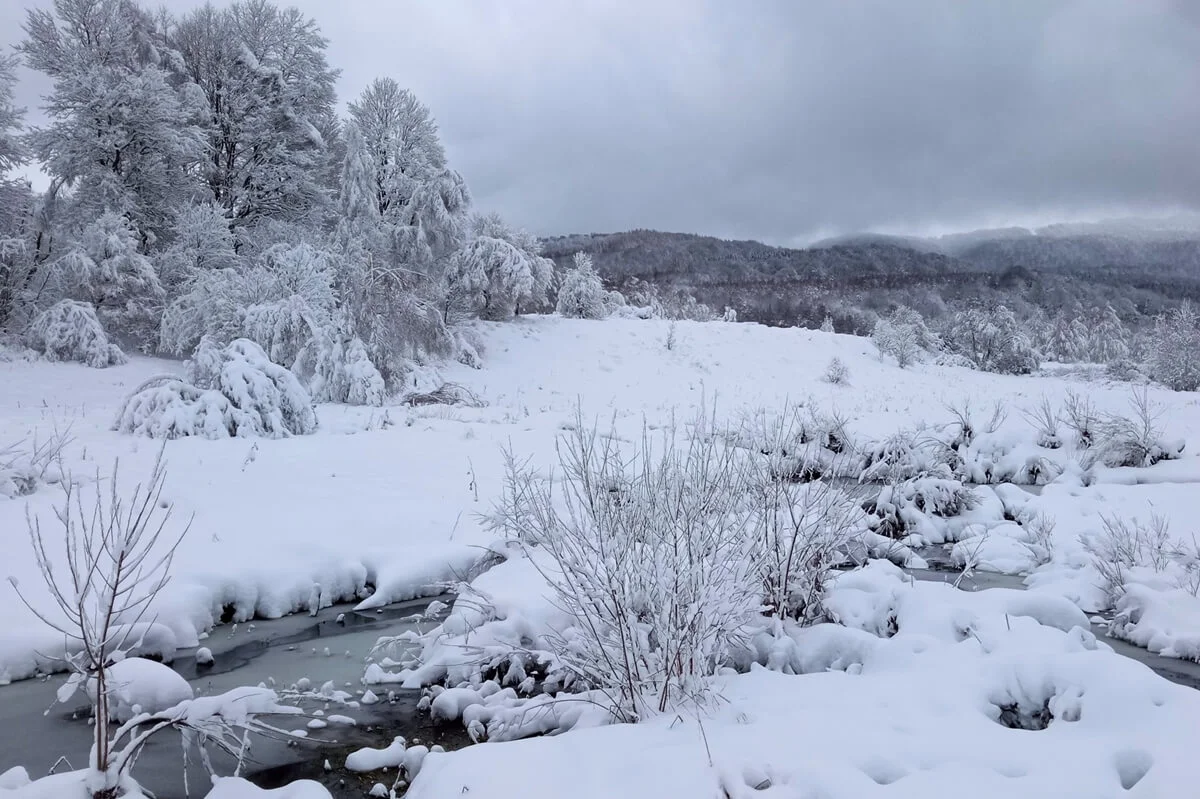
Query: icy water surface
35	732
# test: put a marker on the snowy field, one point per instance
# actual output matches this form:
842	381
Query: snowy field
384	504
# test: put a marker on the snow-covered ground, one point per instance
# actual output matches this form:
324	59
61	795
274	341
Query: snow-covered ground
383	504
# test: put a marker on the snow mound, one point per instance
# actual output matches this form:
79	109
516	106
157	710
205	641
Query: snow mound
70	331
235	391
137	685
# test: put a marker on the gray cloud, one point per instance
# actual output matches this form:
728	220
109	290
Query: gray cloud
783	120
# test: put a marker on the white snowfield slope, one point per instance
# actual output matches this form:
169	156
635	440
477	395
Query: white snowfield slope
390	497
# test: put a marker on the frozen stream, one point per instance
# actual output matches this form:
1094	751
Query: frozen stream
35	733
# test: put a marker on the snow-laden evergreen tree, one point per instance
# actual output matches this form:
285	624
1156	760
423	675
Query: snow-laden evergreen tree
122	132
1108	338
270	100
991	339
105	268
1174	349
499	271
581	294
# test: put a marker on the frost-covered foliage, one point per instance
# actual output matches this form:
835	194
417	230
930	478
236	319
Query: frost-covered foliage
652	555
991	340
233	390
903	508
499	271
836	372
70	331
581	294
338	369
105	268
28	464
1175	349
277	303
420	201
12	148
201	242
267	98
122	126
904	336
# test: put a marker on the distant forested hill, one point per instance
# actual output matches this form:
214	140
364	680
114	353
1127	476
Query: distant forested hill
851	279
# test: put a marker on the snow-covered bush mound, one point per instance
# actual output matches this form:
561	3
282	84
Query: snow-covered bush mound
231	391
70	331
137	685
339	369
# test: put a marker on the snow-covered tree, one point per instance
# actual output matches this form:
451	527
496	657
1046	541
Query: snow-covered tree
1108	338
270	106
338	368
200	241
278	302
827	324
1174	349
421	201
12	148
105	268
358	194
991	339
1067	338
582	295
16	199
498	271
70	331
904	336
121	131
230	391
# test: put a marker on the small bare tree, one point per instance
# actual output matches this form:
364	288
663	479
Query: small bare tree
117	555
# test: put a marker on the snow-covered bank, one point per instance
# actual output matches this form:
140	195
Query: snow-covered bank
386	498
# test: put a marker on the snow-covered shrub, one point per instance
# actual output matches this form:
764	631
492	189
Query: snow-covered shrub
1125	546
1135	439
24	466
229	391
70	331
282	328
827	324
653	556
904	336
288	288
905	507
803	530
106	268
338	369
1175	349
582	295
904	455
991	339
201	241
730	315
1045	421
498	271
836	372
1080	414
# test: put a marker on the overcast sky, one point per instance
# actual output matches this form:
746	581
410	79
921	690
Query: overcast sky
787	120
